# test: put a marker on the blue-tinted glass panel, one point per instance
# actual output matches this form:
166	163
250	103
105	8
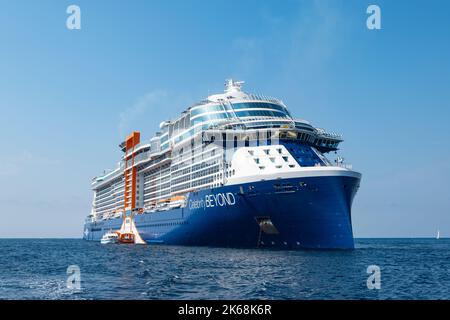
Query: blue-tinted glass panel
259	113
165	138
205	109
210	117
262	105
304	155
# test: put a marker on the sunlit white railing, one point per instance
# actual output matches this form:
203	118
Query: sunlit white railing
324	133
344	165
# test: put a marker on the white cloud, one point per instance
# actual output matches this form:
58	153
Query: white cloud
151	108
154	101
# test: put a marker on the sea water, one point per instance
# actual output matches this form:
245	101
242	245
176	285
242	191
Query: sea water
45	269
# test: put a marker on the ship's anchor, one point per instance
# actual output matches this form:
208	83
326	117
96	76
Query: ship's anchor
265	225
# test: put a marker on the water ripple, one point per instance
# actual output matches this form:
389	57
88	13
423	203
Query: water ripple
410	269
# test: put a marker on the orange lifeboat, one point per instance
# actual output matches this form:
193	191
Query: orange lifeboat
177	202
126	237
177	198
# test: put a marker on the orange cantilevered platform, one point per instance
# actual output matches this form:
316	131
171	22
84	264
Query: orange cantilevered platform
128	230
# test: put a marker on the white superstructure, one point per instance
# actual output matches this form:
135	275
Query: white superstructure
227	138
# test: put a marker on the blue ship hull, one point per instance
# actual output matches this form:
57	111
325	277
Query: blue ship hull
306	213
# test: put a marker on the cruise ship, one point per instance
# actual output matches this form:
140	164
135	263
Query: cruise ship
233	170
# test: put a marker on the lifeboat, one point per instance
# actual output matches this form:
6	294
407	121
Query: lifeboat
177	202
128	233
127	237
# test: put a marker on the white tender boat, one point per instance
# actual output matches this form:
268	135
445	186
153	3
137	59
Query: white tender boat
110	237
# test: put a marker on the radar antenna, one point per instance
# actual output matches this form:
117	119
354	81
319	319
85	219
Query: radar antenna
231	85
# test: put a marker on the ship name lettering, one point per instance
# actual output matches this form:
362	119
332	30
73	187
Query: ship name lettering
196	204
220	200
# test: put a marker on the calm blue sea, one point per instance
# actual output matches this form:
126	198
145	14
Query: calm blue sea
37	269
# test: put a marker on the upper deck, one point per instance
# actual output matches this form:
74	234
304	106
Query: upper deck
232	110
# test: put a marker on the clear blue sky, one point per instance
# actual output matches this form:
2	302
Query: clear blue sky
67	98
